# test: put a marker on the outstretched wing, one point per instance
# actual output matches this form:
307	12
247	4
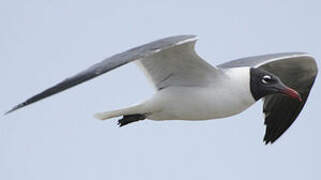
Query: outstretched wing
170	61
296	70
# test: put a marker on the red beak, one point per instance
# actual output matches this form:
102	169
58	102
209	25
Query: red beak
292	93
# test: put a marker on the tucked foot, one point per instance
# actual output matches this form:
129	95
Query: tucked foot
130	118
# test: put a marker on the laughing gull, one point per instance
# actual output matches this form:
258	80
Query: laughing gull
188	88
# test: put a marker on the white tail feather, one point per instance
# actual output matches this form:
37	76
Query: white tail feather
120	112
108	114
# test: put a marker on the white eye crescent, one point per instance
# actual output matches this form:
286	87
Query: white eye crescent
266	79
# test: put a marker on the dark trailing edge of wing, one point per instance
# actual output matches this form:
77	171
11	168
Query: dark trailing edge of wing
107	65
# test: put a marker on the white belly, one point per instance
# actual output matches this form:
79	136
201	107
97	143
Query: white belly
198	103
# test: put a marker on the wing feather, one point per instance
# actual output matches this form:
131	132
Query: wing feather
109	64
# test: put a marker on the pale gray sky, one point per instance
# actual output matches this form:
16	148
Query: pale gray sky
43	42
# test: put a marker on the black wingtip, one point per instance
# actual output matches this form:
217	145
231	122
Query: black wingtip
266	142
14	109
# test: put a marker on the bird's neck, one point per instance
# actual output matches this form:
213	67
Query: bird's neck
238	82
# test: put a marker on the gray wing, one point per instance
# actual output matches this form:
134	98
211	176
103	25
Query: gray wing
296	70
177	67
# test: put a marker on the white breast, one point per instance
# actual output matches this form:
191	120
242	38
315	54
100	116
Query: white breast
228	96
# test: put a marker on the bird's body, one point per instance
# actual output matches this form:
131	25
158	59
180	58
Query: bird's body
228	96
188	88
196	103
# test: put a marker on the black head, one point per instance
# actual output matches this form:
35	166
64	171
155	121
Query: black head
263	83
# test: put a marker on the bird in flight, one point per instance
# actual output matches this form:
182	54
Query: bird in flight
188	88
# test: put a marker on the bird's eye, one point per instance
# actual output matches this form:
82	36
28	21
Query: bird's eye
266	79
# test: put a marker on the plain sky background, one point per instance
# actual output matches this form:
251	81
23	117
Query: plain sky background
44	41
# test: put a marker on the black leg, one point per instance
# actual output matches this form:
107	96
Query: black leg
130	118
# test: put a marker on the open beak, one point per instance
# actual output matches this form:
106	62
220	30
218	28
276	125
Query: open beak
291	92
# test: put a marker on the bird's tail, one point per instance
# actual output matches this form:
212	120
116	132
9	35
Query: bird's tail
137	109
